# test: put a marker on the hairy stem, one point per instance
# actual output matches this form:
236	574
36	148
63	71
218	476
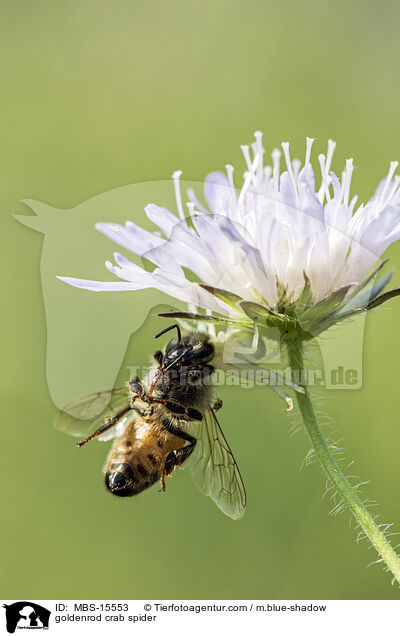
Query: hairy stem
334	473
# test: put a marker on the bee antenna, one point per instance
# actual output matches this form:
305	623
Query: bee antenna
169	329
162	370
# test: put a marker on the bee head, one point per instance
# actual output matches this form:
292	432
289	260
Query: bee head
190	350
184	358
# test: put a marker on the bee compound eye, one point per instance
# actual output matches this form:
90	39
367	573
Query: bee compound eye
158	356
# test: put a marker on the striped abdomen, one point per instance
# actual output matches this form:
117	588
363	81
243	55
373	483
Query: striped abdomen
137	457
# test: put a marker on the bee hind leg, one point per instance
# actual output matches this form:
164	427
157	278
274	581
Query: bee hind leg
175	458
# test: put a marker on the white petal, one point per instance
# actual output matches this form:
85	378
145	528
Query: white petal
132	237
217	192
276	229
97	285
162	217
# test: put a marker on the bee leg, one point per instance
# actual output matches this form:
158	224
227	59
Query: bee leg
171	428
162	481
102	429
218	404
109	423
137	389
177	457
179	409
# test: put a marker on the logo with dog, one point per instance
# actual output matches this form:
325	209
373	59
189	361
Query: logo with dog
26	615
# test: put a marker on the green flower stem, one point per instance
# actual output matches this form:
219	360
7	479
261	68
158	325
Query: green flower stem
334	473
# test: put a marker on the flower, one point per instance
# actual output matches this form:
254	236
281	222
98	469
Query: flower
280	251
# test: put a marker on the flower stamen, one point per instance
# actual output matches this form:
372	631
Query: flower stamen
392	170
324	189
176	177
276	159
285	146
260	152
309	144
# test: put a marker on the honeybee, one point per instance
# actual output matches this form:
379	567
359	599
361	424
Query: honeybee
158	424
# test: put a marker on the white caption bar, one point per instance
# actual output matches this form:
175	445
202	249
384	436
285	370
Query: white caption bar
177	617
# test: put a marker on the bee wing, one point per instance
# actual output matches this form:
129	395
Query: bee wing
215	471
82	416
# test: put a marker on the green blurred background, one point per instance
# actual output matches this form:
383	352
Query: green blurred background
100	94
